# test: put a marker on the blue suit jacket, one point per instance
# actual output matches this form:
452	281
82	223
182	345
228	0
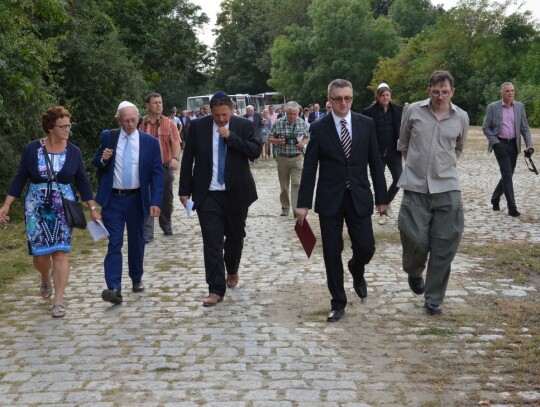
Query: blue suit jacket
150	171
493	121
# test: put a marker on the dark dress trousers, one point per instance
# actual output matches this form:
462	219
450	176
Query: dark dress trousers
222	214
335	203
119	211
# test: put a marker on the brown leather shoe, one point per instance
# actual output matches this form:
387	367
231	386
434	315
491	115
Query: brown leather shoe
212	300
232	280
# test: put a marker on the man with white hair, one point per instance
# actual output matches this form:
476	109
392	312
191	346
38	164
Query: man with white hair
130	189
289	136
256	119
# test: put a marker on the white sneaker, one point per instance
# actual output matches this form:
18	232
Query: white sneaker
383	219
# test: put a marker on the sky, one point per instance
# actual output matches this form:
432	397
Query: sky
211	8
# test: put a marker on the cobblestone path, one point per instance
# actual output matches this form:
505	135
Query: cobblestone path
268	344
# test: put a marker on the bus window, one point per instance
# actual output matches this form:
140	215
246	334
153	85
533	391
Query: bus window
272	98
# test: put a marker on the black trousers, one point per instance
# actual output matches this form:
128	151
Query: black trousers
223	232
506	154
362	242
393	160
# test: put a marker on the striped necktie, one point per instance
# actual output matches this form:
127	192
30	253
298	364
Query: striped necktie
345	139
346	142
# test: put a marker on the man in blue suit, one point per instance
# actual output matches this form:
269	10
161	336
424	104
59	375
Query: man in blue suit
504	124
130	189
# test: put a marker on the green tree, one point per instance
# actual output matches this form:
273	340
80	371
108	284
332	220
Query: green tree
27	47
362	41
242	58
162	36
475	43
412	16
95	79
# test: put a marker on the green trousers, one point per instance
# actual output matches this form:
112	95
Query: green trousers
430	225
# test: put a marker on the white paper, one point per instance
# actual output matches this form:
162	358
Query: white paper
189	208
97	230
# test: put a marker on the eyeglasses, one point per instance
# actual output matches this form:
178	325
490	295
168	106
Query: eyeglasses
64	126
339	99
437	93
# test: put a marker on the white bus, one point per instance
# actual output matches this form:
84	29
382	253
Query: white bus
272	99
241	100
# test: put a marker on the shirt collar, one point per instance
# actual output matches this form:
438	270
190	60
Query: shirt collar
338	119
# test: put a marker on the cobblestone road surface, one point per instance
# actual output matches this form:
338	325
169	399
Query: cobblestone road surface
268	344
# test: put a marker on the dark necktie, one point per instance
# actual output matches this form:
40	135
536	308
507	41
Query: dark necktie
345	139
346	142
222	155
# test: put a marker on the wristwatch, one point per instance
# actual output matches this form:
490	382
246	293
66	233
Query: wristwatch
176	158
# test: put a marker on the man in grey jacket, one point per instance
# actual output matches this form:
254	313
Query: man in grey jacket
504	123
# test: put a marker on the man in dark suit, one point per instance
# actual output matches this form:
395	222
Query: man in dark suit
130	189
344	144
315	114
186	123
222	189
256	119
504	124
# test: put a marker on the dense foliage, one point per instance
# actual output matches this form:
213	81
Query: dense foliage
296	48
88	56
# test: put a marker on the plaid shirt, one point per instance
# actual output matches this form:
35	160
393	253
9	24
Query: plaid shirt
292	133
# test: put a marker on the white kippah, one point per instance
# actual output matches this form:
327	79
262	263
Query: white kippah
383	85
124	104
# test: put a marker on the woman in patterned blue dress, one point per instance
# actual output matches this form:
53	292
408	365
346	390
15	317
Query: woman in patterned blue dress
49	236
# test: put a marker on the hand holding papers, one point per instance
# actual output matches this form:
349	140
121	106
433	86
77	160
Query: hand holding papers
306	236
97	230
189	208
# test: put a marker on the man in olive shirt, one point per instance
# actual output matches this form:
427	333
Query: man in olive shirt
432	136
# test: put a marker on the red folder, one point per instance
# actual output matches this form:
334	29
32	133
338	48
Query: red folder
306	236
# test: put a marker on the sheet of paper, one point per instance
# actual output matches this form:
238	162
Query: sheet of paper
97	230
189	208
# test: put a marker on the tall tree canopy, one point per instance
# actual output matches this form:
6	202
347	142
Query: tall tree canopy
479	43
345	41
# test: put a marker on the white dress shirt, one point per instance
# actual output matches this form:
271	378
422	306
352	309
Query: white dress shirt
337	122
119	161
214	184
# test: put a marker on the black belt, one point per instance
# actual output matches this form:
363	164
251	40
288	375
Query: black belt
507	140
125	191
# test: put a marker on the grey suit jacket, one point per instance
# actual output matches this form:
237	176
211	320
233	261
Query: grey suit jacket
493	120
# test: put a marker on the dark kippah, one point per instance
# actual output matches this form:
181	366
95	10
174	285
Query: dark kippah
220	95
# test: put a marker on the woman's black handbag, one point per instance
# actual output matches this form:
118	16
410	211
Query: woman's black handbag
73	210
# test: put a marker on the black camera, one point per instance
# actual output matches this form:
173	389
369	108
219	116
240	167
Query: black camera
528	152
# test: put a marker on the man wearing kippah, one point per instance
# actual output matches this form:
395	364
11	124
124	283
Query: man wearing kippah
215	174
387	118
130	189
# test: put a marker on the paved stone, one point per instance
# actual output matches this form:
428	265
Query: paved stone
268	344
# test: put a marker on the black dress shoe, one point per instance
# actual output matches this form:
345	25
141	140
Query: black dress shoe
496	206
514	213
168	233
112	296
359	282
417	285
138	287
335	315
433	309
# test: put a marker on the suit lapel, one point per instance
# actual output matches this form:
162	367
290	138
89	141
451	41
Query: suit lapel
333	134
